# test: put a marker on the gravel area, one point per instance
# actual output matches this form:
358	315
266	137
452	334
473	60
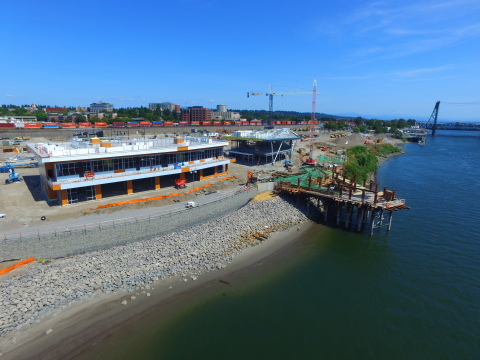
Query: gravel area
47	288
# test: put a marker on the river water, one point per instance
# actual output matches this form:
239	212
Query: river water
413	293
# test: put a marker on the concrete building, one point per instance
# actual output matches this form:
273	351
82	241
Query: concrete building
100	106
223	114
90	169
165	105
196	113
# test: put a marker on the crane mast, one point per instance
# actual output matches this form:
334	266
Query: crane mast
271	93
314	99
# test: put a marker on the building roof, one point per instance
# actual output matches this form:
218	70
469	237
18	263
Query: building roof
266	135
83	149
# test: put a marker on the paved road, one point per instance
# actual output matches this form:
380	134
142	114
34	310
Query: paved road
117	216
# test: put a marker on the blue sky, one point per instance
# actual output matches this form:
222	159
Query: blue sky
378	59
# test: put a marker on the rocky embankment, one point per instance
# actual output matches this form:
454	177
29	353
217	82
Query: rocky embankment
52	286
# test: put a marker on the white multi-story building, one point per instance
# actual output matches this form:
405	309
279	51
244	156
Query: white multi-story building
100	106
89	169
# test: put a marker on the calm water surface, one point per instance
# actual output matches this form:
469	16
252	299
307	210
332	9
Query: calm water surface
411	294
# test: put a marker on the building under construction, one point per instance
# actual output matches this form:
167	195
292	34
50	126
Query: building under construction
263	147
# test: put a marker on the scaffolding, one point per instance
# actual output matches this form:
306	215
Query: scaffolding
310	177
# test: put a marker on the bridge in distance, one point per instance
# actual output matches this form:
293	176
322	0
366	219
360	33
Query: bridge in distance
434	125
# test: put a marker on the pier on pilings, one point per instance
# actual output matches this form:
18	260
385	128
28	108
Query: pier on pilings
343	202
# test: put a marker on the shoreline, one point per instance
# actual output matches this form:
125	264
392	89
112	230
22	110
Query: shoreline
84	323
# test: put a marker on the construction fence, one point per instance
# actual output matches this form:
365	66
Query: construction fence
102	235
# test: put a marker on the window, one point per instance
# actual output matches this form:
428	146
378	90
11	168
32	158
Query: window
130	163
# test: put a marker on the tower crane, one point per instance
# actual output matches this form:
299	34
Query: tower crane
272	93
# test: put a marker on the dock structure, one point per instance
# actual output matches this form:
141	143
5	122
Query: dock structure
342	201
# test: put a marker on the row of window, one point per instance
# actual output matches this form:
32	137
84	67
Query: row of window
134	162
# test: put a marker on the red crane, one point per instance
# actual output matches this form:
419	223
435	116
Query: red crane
311	160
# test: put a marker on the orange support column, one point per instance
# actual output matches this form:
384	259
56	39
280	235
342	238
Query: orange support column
157	182
129	187
182	175
98	192
216	170
64	198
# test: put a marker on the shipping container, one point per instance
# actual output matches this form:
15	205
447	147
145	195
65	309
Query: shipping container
68	125
84	125
145	123
238	122
245	122
118	124
157	123
132	124
168	123
183	123
217	123
100	124
196	123
34	125
50	125
7	125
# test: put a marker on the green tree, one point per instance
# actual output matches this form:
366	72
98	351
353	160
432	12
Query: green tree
80	118
358	121
361	162
40	114
331	126
402	124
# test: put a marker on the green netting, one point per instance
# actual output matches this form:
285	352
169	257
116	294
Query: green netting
307	172
331	159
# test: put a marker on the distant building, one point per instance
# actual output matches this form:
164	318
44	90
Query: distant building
196	113
222	108
164	105
31	108
101	106
222	114
56	109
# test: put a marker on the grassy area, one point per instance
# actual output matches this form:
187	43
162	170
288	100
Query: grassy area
383	149
363	160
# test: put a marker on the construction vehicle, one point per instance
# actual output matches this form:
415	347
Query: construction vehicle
20	138
251	178
13	177
310	160
180	183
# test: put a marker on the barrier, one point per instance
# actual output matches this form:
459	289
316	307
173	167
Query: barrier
64	241
126	202
20	263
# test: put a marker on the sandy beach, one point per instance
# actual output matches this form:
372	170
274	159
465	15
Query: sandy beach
88	322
